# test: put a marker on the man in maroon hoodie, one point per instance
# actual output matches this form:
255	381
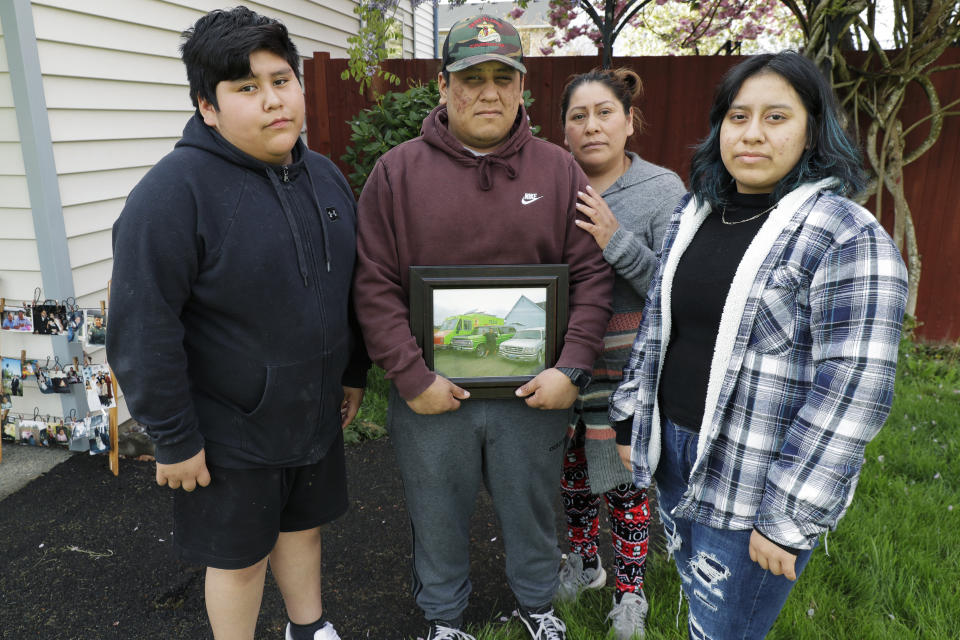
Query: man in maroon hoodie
478	189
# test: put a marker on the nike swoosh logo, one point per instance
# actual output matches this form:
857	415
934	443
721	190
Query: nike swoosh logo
528	198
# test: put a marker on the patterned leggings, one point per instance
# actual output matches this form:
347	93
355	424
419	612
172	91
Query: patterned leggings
629	518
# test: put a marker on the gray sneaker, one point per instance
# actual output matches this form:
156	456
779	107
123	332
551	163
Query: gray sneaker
629	616
574	578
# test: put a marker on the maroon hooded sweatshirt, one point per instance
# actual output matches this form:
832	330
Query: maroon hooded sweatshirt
431	201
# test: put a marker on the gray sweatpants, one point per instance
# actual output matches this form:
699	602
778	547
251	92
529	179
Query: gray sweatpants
517	452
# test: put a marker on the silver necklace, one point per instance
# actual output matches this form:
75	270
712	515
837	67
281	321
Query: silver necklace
724	220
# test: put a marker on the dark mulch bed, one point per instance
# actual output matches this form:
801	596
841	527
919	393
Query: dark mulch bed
89	555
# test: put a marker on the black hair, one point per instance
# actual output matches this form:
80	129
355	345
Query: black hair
217	48
624	83
831	151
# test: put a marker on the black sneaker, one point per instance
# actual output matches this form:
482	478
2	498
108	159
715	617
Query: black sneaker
443	630
543	623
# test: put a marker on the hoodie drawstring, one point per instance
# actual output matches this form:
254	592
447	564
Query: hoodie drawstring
292	223
323	218
486	182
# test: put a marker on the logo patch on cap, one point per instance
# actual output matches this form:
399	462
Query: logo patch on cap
488	32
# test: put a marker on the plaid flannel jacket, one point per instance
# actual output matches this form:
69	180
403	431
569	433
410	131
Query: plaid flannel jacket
802	373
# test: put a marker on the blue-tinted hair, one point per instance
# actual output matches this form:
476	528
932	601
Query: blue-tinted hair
830	150
217	48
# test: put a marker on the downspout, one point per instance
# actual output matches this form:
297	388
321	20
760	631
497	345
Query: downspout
436	30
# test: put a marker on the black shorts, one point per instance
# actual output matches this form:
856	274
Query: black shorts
234	522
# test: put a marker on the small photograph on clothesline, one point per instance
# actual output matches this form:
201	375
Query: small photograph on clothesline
12	377
9	431
79	436
43	381
99	387
29	368
33	433
75	325
17	319
72	374
61	433
95	326
49	319
99	434
59	382
5	402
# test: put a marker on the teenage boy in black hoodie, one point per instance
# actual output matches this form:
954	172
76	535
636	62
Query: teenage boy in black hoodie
230	328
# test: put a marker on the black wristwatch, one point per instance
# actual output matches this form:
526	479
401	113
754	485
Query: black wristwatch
577	376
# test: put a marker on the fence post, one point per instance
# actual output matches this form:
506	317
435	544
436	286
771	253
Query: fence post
318	112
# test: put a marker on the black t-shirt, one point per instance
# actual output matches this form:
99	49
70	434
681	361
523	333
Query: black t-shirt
700	288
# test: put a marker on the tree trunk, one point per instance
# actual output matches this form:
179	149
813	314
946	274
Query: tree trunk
904	233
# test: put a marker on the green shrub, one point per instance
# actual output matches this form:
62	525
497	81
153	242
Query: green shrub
395	118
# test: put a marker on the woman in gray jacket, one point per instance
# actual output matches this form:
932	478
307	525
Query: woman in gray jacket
627	223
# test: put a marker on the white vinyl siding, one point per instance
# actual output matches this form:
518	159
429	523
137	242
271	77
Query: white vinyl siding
423	31
117	100
417	29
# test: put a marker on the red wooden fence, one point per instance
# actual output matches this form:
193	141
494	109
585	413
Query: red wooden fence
677	96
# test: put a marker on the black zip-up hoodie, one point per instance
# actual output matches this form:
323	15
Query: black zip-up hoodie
230	324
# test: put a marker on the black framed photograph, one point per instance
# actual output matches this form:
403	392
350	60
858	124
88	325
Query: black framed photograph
489	329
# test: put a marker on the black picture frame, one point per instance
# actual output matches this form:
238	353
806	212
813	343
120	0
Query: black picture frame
476	371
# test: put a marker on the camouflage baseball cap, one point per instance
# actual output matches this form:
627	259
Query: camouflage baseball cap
480	39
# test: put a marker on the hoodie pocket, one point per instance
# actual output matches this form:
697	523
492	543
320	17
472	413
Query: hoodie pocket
298	400
779	306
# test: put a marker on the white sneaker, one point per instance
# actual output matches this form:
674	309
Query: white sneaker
574	578
326	632
629	617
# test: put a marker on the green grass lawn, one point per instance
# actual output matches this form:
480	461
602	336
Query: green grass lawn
893	563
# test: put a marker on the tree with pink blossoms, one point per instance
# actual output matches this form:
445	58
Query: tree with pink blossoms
706	26
730	21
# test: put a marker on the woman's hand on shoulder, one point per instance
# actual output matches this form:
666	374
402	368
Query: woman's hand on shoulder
602	223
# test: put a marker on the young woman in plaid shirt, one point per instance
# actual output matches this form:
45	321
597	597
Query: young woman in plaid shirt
767	354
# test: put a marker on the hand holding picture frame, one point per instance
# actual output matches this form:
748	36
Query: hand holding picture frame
489	329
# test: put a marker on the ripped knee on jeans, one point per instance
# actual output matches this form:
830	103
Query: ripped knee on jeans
710	573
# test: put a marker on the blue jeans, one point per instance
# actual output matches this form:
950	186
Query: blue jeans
729	595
